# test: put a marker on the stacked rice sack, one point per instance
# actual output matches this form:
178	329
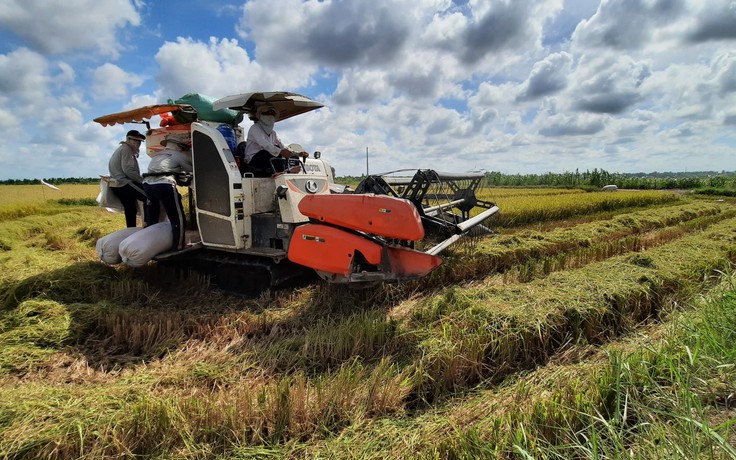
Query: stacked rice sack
135	246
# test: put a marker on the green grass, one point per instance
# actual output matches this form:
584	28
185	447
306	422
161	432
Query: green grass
657	395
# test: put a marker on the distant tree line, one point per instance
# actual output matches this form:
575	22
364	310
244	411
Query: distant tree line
601	177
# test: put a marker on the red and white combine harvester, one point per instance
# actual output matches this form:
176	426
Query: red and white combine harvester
251	233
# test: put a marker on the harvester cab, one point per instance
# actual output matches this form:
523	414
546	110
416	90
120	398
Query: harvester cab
251	233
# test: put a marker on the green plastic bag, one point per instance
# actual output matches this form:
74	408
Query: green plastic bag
203	105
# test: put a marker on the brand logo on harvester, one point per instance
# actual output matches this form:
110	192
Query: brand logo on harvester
311	186
313	238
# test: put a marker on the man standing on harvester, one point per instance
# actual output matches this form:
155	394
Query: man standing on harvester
124	169
165	170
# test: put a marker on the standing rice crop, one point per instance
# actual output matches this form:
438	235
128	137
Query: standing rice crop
522	210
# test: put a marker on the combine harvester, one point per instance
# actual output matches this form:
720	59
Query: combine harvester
252	233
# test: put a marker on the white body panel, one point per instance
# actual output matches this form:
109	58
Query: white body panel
218	189
247	214
296	187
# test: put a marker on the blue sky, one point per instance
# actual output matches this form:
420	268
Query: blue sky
523	86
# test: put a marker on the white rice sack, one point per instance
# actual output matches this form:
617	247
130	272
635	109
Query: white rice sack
138	249
109	245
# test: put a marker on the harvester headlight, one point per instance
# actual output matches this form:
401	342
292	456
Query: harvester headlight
281	192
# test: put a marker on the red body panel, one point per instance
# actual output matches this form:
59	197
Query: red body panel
408	262
376	214
330	249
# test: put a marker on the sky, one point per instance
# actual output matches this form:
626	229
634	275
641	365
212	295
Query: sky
516	86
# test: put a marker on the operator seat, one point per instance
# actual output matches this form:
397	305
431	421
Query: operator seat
247	168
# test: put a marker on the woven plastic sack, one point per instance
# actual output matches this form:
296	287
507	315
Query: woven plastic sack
203	105
106	198
109	245
138	249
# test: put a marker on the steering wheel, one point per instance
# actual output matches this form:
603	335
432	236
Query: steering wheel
298	150
296	161
286	163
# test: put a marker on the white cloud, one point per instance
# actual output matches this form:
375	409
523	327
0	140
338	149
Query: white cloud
547	77
23	75
577	124
484	105
725	73
492	34
364	88
61	27
42	119
112	82
504	26
217	68
626	24
7	121
444	29
715	20
609	83
695	91
66	75
330	33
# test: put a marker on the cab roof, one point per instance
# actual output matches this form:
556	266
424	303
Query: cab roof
288	104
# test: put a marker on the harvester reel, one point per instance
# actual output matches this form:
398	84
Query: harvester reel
444	200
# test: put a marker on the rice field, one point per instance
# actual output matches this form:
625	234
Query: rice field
24	200
593	325
13	195
500	192
522	208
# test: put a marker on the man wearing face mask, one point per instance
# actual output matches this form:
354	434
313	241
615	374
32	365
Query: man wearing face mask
263	143
124	169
